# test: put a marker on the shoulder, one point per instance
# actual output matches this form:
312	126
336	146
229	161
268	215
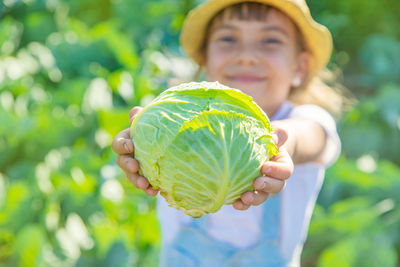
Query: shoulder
313	112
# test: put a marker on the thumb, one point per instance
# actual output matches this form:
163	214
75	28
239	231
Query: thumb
280	136
133	112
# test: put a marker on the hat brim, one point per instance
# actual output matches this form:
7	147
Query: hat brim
317	37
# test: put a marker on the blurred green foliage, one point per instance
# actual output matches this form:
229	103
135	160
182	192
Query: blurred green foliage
71	70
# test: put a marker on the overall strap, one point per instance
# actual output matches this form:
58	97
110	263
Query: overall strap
200	223
267	252
271	218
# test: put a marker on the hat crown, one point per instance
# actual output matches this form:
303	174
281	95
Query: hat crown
300	3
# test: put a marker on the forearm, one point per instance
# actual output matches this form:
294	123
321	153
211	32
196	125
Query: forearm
306	139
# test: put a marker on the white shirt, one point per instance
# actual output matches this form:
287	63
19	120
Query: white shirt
242	229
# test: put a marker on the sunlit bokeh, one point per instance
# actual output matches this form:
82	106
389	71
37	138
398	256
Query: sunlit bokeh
70	71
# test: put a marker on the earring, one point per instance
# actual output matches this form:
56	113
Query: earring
296	81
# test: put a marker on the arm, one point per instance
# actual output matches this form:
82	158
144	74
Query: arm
306	139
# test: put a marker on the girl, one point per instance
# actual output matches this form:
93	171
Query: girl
273	51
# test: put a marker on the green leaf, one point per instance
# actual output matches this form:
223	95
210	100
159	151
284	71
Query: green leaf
121	46
113	121
29	245
367	250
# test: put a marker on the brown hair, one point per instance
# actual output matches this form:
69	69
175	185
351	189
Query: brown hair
323	90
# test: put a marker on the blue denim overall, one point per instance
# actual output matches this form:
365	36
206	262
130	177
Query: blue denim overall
194	247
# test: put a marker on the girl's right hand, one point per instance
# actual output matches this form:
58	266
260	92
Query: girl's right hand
123	146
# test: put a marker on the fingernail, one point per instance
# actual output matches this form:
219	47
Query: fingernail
281	136
126	147
262	186
258	185
275	138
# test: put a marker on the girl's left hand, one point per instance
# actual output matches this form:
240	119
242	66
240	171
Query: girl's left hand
276	171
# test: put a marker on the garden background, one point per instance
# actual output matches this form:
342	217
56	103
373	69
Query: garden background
71	70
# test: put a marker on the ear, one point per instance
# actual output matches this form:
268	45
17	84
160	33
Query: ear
302	68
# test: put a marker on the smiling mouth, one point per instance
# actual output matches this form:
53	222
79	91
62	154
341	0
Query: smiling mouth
246	79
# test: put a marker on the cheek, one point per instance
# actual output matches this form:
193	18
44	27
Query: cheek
277	60
214	64
280	65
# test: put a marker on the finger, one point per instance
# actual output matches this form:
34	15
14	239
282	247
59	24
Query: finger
269	185
279	167
280	136
254	198
142	183
239	205
122	143
133	112
151	191
127	163
132	178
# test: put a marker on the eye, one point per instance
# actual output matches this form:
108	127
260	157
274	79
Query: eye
272	41
227	39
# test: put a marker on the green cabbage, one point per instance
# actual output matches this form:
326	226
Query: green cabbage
202	145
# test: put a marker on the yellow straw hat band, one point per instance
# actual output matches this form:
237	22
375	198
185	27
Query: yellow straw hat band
316	36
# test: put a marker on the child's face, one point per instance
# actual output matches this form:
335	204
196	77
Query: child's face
261	58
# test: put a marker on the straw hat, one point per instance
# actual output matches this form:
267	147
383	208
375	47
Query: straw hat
317	37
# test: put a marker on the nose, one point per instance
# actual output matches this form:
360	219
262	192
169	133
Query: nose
246	55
